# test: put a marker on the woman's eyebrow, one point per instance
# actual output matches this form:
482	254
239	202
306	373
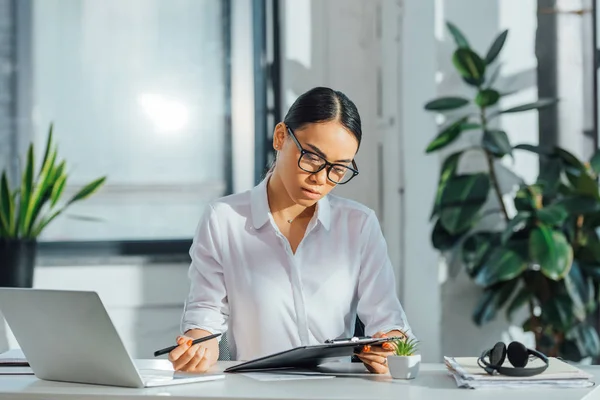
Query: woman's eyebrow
319	152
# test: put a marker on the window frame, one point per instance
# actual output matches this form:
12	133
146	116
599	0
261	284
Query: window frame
52	252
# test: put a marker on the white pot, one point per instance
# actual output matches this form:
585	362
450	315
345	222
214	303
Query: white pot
404	367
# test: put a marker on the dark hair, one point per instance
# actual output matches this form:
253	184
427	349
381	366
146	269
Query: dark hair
322	104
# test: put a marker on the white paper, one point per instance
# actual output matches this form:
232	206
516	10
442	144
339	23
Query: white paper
13	356
269	376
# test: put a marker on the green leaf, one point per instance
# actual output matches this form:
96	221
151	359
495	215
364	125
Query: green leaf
469	65
503	264
475	248
590	270
521	299
446	136
519	219
577	174
551	251
558	312
549	176
542	103
48	148
587	340
447	171
595	162
496	142
441	239
57	190
491	301
542	151
88	190
446	103
459	38
525	199
493	77
554	214
26	189
468	126
39	192
487	98
577	288
496	47
579	205
462	198
7	206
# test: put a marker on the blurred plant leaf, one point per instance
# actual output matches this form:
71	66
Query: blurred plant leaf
496	142
554	214
462	198
542	103
441	239
542	151
521	299
578	290
446	103
491	301
503	264
7	207
595	162
87	190
458	36
487	98
526	198
446	136
587	340
470	66
447	171
551	251
515	222
496	47
475	248
558	312
579	205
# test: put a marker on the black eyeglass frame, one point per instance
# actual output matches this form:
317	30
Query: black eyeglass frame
326	164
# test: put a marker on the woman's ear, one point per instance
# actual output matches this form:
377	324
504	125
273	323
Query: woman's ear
279	136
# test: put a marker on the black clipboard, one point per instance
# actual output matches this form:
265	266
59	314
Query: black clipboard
308	356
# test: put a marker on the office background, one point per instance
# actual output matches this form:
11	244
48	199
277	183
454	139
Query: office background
175	102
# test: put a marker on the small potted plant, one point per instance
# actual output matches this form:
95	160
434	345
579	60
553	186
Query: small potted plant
404	364
28	206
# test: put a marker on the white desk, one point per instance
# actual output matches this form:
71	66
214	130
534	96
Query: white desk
432	383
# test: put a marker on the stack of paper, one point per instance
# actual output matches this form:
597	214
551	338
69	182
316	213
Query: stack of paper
13	358
468	374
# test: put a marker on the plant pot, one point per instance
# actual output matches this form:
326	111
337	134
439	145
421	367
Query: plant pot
17	262
404	367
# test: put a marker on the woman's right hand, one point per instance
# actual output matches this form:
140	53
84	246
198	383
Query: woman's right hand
190	358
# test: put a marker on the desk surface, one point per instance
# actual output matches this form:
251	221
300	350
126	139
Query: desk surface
432	383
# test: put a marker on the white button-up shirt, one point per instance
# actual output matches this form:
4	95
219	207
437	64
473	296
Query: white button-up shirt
246	281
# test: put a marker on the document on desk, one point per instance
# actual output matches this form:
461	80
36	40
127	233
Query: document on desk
13	358
270	377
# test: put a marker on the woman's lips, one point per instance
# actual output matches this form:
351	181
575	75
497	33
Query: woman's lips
311	194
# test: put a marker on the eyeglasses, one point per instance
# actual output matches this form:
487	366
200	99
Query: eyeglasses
313	163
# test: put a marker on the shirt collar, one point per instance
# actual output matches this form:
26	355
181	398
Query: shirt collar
260	207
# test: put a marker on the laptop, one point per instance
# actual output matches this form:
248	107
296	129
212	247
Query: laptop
68	336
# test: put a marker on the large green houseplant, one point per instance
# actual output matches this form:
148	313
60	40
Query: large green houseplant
545	257
26	210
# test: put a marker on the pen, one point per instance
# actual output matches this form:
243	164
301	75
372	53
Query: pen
200	340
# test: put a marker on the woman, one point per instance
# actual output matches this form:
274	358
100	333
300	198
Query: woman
287	264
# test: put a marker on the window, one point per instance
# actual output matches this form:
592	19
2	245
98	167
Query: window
138	90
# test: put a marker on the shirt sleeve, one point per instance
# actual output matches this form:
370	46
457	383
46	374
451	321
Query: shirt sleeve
378	305
206	306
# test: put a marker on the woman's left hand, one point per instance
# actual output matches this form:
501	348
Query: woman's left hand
375	357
